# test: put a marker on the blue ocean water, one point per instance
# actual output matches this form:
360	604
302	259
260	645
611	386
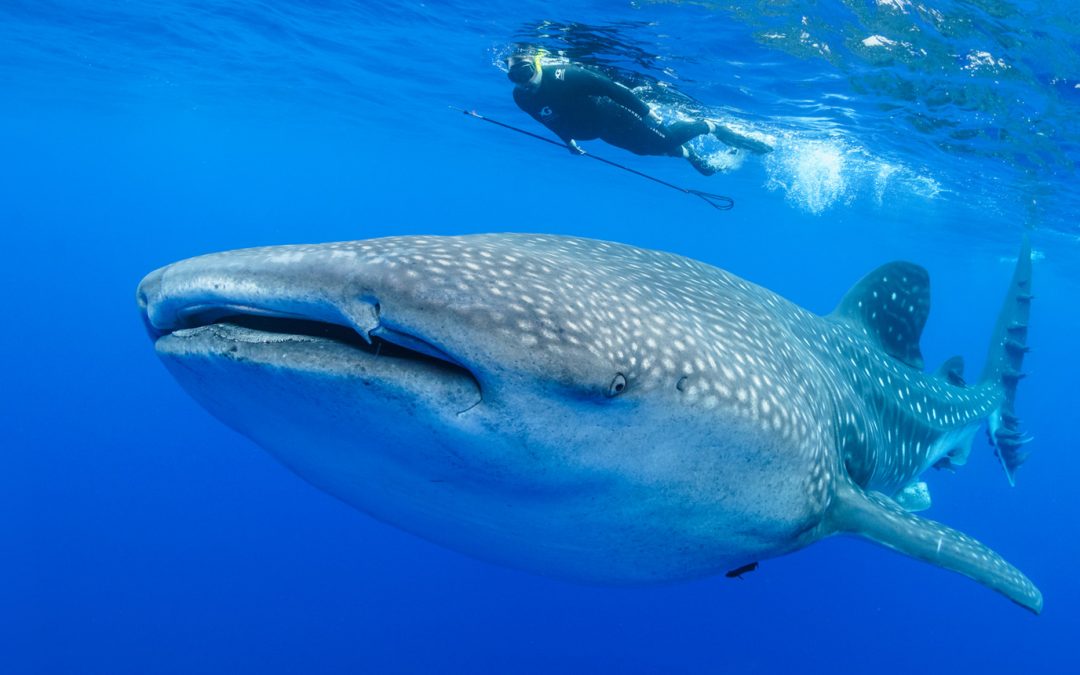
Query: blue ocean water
139	535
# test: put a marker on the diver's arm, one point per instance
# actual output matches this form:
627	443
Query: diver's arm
593	84
534	112
571	145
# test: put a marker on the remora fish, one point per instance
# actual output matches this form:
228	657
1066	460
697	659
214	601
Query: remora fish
590	410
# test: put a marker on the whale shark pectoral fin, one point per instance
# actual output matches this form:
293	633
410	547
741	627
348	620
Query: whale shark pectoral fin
890	306
879	519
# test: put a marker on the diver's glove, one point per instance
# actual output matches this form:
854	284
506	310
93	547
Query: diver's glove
573	147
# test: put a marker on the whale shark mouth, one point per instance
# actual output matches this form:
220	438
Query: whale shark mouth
258	326
376	345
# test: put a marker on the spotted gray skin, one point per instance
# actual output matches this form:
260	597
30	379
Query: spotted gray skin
586	409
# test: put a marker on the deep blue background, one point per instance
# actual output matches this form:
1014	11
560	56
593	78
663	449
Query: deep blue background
138	534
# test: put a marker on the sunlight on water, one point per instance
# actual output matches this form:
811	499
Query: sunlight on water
967	97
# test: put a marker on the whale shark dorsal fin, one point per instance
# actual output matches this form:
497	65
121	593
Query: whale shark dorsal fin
876	517
890	306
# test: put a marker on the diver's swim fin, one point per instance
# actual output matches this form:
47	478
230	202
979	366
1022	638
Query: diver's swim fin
736	140
698	162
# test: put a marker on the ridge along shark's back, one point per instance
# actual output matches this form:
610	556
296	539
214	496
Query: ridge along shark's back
578	408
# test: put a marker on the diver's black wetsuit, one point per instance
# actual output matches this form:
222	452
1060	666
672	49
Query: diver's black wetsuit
578	104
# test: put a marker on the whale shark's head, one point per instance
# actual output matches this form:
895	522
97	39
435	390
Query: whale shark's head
518	397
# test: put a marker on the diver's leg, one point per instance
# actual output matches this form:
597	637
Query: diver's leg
678	133
643	138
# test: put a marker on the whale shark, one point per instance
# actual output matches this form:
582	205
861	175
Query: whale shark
590	410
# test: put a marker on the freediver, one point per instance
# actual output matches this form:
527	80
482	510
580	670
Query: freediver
579	104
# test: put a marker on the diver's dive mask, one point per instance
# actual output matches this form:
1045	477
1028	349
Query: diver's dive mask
521	71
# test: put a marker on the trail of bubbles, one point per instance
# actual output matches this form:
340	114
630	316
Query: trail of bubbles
812	174
820	174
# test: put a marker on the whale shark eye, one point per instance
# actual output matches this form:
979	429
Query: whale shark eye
617	386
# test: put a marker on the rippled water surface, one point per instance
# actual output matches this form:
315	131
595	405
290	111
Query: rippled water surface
973	101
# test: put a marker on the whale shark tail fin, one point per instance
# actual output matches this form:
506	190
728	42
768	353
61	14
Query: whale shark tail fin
1008	346
881	520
